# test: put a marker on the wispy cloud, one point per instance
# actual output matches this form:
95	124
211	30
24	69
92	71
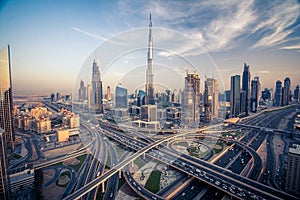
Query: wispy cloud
89	34
291	47
263	72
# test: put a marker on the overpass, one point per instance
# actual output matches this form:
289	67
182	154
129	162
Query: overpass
262	128
217	172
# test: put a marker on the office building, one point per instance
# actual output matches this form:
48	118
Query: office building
235	92
266	94
89	96
82	92
286	92
246	88
149	113
97	93
121	97
255	94
191	101
108	94
4	175
149	88
210	99
278	93
296	94
52	97
293	171
141	98
23	179
6	102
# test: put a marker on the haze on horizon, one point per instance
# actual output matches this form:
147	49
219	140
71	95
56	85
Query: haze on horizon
50	41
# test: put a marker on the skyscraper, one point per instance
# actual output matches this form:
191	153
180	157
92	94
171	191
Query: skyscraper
296	93
149	72
278	94
89	96
235	92
6	104
191	101
246	88
82	92
97	93
4	177
293	170
210	99
286	91
121	97
255	94
108	94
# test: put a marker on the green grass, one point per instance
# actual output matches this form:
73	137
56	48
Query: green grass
153	182
184	144
121	182
219	150
139	162
82	159
63	174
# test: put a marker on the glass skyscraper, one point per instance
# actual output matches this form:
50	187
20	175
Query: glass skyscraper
121	97
235	92
6	119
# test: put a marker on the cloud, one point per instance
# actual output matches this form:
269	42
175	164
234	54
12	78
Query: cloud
263	72
276	25
291	47
89	34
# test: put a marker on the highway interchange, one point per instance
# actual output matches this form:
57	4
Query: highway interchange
236	172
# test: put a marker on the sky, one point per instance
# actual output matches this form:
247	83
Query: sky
53	43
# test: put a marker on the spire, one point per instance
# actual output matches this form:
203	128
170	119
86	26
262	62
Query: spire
150	23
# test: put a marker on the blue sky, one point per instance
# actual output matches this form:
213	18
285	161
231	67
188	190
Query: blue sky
51	40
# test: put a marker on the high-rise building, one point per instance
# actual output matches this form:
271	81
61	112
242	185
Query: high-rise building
57	96
191	101
266	94
227	95
286	91
4	177
97	93
108	95
246	88
82	92
235	92
141	98
293	171
149	113
6	104
278	93
255	94
121	97
210	99
149	72
52	97
89	96
296	93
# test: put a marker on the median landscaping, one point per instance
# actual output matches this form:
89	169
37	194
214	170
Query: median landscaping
153	182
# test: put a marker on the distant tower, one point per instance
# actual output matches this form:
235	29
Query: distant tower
296	93
246	88
149	72
191	101
210	99
278	93
286	91
108	94
121	97
235	92
89	96
255	94
82	92
97	89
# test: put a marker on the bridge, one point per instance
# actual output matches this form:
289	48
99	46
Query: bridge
194	169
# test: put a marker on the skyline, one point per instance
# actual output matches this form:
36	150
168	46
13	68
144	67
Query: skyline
50	40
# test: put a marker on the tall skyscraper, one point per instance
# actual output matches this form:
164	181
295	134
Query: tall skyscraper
82	92
246	88
293	170
255	94
210	99
191	101
235	99
121	97
6	104
286	90
97	93
296	93
4	176
89	96
149	72
108	93
278	93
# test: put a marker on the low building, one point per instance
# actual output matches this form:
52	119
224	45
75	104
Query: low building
43	125
63	134
22	179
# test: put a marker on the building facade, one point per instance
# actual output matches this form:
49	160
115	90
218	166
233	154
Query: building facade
293	171
255	94
286	92
210	99
278	93
246	88
235	92
4	175
121	97
97	93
